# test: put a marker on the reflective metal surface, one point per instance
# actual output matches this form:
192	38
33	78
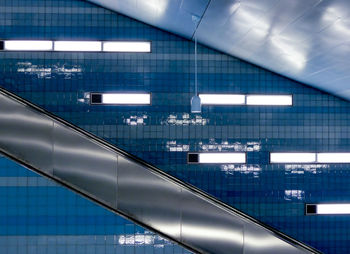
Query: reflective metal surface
129	186
306	40
257	240
25	134
177	16
85	164
209	228
149	198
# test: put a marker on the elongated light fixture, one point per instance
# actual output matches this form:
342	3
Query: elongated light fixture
83	46
27	45
292	157
333	157
120	98
309	157
217	157
127	46
77	46
241	99
222	99
270	100
313	209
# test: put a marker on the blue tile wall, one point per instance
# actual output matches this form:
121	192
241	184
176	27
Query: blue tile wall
164	132
37	216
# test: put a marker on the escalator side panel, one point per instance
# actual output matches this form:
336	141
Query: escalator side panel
25	134
210	228
149	198
84	164
258	240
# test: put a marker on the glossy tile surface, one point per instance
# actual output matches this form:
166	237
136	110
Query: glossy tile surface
164	132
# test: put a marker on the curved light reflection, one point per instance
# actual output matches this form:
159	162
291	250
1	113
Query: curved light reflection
294	55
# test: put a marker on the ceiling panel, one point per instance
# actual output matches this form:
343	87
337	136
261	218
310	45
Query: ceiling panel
306	40
177	16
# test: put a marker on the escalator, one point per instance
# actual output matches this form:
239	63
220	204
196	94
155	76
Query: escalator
129	186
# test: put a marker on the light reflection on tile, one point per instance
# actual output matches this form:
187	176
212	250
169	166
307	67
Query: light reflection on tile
173	146
185	119
294	194
231	169
47	72
136	239
212	145
136	120
302	168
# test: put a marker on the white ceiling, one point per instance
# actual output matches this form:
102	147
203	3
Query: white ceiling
306	40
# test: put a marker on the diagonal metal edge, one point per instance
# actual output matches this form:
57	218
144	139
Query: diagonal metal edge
152	168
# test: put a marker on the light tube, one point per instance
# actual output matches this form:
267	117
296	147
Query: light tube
222	158
333	209
222	99
333	157
28	45
272	100
292	157
77	46
124	46
126	98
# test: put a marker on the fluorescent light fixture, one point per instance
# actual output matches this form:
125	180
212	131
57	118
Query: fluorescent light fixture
222	158
121	98
333	209
328	209
273	100
222	99
292	157
333	157
77	46
125	46
28	45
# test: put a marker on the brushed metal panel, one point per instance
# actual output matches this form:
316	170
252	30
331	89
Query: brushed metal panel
258	240
84	164
149	198
174	15
26	134
209	228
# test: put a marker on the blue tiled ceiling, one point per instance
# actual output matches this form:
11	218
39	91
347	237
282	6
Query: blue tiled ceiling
306	40
163	132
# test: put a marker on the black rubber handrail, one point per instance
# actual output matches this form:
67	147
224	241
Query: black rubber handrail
149	167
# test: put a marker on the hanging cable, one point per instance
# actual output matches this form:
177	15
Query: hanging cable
195	67
195	101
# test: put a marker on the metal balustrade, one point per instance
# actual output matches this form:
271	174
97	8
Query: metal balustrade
129	186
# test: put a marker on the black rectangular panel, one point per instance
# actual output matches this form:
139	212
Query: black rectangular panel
95	98
193	158
311	209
